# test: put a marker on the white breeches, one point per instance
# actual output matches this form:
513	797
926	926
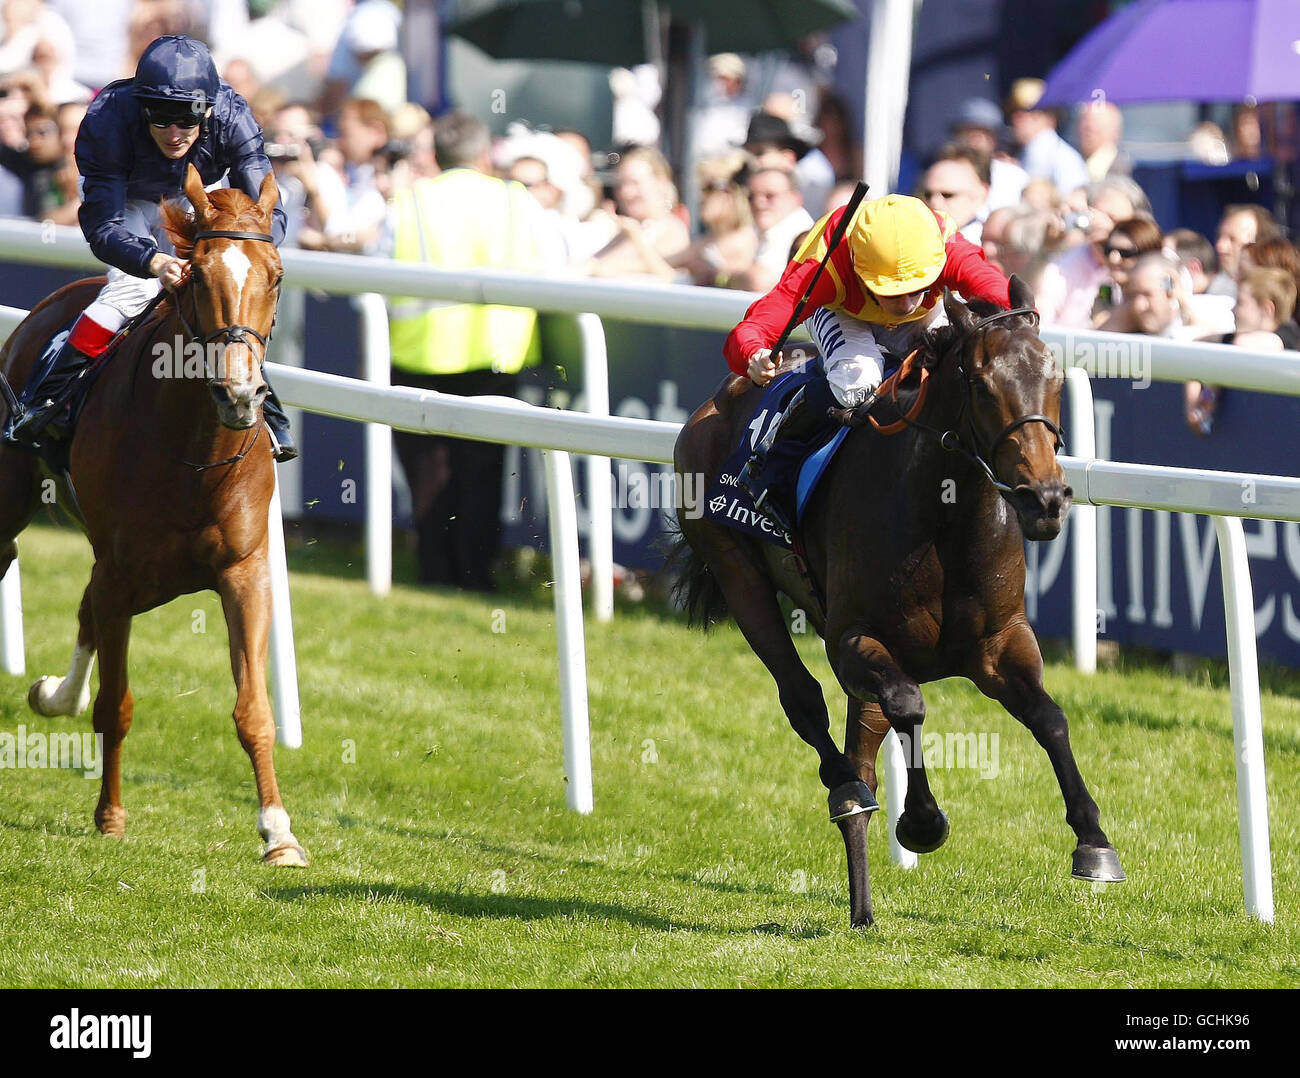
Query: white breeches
853	350
125	296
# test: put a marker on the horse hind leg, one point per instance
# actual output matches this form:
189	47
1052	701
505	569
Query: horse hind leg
867	671
865	728
52	695
753	604
19	499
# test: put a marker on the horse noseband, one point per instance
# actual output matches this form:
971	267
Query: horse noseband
1034	417
234	335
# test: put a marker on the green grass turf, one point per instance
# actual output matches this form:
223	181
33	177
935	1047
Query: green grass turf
444	855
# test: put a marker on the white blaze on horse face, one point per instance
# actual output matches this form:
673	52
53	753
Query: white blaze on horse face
239	265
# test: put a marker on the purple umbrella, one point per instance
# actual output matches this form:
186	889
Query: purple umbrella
1185	50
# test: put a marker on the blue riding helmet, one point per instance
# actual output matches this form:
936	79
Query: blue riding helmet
177	71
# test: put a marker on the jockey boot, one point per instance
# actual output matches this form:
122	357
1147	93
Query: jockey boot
806	412
277	425
43	406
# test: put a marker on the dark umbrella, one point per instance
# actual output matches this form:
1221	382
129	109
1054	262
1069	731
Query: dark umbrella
614	32
1185	50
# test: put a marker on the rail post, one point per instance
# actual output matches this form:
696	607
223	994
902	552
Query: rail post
12	657
1083	525
562	519
1247	718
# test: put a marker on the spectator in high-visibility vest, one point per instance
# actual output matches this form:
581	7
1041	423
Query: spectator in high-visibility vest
462	218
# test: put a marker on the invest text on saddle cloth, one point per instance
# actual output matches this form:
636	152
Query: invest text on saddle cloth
135	147
911	562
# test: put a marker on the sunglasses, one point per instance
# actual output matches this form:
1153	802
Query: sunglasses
1125	253
947	196
163	119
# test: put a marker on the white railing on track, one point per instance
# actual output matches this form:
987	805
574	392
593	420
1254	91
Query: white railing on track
1101	354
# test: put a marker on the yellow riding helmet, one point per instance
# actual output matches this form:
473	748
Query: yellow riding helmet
897	245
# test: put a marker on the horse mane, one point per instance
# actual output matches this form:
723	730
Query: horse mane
938	340
231	208
227	202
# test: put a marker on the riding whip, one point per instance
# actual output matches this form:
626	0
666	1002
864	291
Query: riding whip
859	193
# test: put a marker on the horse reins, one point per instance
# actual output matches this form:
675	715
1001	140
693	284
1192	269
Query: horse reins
951	440
234	334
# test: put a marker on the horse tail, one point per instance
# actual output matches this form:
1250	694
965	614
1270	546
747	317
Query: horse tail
695	589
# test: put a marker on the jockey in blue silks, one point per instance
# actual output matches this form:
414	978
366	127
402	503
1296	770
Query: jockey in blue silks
133	149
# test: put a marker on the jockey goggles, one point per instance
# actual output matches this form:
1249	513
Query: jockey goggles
163	114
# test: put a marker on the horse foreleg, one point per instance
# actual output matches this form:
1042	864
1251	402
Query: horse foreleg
245	591
865	728
110	616
867	670
753	604
1012	674
53	695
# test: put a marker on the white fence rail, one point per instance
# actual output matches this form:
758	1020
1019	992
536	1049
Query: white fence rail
1101	354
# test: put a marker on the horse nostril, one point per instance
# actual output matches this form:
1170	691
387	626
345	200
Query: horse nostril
1056	498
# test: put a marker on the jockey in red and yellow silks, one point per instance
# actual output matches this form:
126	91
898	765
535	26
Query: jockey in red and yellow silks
882	288
880	291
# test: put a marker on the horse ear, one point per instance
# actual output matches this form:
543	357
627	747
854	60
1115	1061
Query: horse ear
1020	293
959	315
195	193
268	195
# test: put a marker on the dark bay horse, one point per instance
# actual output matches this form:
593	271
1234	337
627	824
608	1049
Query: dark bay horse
174	481
920	558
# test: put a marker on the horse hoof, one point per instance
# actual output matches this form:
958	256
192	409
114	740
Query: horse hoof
1097	863
922	839
851	799
112	825
290	855
35	701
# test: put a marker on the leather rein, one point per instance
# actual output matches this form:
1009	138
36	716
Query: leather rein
951	439
233	334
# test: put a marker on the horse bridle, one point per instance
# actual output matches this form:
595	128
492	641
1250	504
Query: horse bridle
951	440
233	334
229	334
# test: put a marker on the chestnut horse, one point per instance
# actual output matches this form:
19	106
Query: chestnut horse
921	566
174	481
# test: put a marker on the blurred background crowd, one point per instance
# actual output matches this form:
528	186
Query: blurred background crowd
1048	193
707	174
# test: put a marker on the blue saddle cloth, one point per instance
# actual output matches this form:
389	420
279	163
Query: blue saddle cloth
792	469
